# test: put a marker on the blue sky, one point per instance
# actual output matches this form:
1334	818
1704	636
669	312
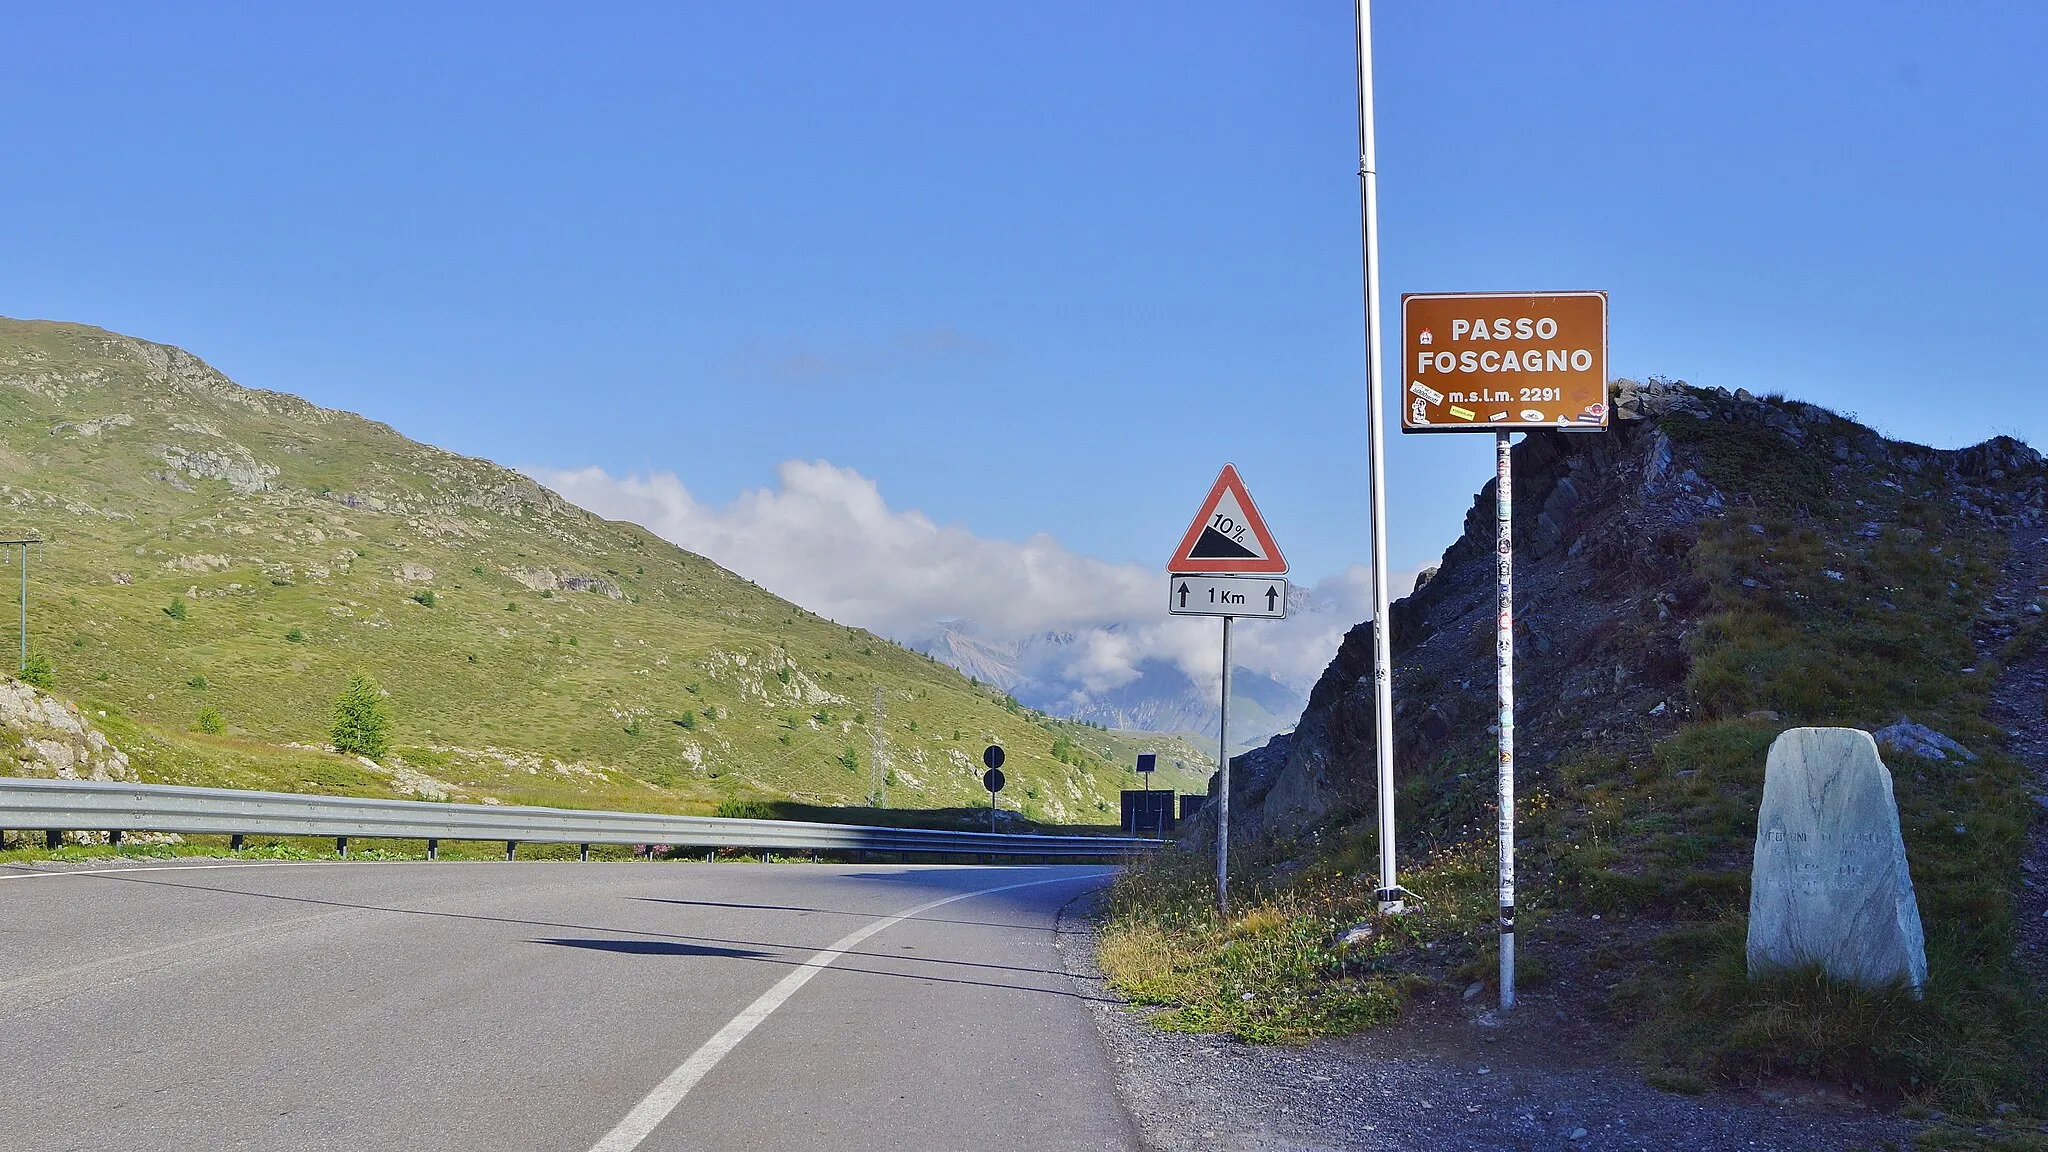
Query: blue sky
1027	268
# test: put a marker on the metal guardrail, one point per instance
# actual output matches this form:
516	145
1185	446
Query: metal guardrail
94	806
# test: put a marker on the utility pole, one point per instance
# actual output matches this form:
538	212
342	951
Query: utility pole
880	791
23	543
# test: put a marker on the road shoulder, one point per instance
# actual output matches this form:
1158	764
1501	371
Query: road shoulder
1439	1081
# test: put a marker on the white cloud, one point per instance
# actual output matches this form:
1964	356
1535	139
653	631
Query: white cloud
825	538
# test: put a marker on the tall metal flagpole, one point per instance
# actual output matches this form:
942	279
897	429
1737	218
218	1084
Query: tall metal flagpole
1504	670
1223	785
1382	644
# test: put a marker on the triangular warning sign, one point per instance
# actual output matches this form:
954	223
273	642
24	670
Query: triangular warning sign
1228	535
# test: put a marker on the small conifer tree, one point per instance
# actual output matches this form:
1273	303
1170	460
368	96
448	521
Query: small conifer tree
362	717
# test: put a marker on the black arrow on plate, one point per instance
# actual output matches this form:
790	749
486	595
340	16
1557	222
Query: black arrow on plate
1183	594
1272	594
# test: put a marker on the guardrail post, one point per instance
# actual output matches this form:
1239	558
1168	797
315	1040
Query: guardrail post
235	842
53	839
341	847
114	838
433	849
583	852
509	846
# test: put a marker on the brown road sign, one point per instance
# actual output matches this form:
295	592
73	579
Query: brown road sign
1490	361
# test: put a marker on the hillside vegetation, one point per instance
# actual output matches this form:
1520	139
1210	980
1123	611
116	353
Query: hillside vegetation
223	558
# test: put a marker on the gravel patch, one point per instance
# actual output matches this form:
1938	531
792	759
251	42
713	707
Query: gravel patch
1445	1079
2019	705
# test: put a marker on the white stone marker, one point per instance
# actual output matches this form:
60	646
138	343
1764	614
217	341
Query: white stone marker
1829	884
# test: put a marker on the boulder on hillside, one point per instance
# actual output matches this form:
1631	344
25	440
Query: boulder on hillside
44	736
1919	740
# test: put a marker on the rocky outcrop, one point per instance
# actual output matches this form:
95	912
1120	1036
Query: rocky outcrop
234	464
552	580
44	736
1606	598
94	426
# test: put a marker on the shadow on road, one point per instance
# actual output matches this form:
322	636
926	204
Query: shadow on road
656	948
651	943
807	910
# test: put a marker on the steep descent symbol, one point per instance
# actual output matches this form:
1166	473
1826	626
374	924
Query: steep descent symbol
1214	545
1228	535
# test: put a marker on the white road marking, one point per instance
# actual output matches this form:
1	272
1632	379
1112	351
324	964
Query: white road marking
146	868
650	1112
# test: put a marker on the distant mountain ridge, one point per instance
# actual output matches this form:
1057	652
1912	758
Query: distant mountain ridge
1161	698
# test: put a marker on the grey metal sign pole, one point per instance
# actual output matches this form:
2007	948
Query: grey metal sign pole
1382	646
1504	668
1223	784
992	779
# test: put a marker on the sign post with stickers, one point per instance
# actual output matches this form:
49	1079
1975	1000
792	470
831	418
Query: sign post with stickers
1227	565
1501	363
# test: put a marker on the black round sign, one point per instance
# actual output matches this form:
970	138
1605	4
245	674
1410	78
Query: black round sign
993	757
993	778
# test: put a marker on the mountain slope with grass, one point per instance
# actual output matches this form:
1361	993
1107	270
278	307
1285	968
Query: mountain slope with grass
218	560
1715	569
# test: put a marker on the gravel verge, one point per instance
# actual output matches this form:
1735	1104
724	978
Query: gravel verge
1448	1078
2019	706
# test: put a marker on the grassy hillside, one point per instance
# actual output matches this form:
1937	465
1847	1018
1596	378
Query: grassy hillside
213	549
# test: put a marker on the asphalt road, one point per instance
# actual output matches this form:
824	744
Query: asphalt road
577	1007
